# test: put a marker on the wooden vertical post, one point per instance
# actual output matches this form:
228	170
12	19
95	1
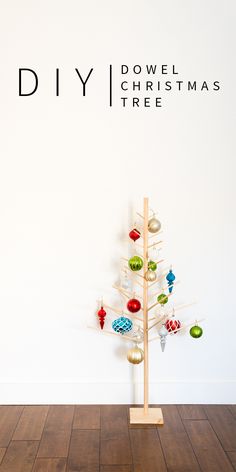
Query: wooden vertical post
145	303
145	415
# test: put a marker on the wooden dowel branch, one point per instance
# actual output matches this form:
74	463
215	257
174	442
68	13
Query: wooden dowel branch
154	244
158	303
109	333
122	312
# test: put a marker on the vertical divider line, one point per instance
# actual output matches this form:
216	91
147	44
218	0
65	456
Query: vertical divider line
110	85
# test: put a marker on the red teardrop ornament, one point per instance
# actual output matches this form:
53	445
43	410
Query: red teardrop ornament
133	305
134	234
101	314
172	325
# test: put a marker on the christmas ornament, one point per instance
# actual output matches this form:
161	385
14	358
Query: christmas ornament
133	305
162	299
138	336
170	279
154	225
135	263
101	315
135	355
126	282
134	234
172	325
196	331
122	325
163	333
150	276
152	265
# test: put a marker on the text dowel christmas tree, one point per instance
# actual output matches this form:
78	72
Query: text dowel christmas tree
145	290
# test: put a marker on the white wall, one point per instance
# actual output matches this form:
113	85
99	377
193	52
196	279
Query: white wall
74	170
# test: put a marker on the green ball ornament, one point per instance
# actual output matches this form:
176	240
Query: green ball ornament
162	299
196	331
135	263
152	265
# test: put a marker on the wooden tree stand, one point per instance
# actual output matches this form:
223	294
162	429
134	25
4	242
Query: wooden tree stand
145	415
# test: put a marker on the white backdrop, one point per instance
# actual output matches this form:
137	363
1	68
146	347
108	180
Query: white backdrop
74	170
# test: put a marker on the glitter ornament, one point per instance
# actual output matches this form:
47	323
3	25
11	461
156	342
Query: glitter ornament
135	355
150	276
133	305
163	333
154	225
135	263
152	265
172	325
162	299
170	279
101	315
138	336
126	282
196	331
134	234
122	325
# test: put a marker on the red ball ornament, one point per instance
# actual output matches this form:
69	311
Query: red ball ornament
101	315
133	305
134	234
172	325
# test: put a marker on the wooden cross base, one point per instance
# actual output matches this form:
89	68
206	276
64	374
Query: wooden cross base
153	416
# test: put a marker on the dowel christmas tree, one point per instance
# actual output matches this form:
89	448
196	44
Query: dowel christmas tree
140	316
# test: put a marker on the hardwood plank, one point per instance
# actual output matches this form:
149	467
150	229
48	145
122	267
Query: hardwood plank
192	412
207	447
178	453
147	452
116	468
232	457
172	420
115	444
9	417
84	451
60	416
2	452
232	409
224	425
177	449
87	417
57	431
55	443
50	465
19	457
31	423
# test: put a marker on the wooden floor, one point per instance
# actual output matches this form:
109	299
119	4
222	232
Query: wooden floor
71	438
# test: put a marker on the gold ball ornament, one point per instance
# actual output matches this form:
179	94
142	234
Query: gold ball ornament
154	225
150	276
135	355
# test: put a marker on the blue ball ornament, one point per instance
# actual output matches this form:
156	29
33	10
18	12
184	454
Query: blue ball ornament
122	325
